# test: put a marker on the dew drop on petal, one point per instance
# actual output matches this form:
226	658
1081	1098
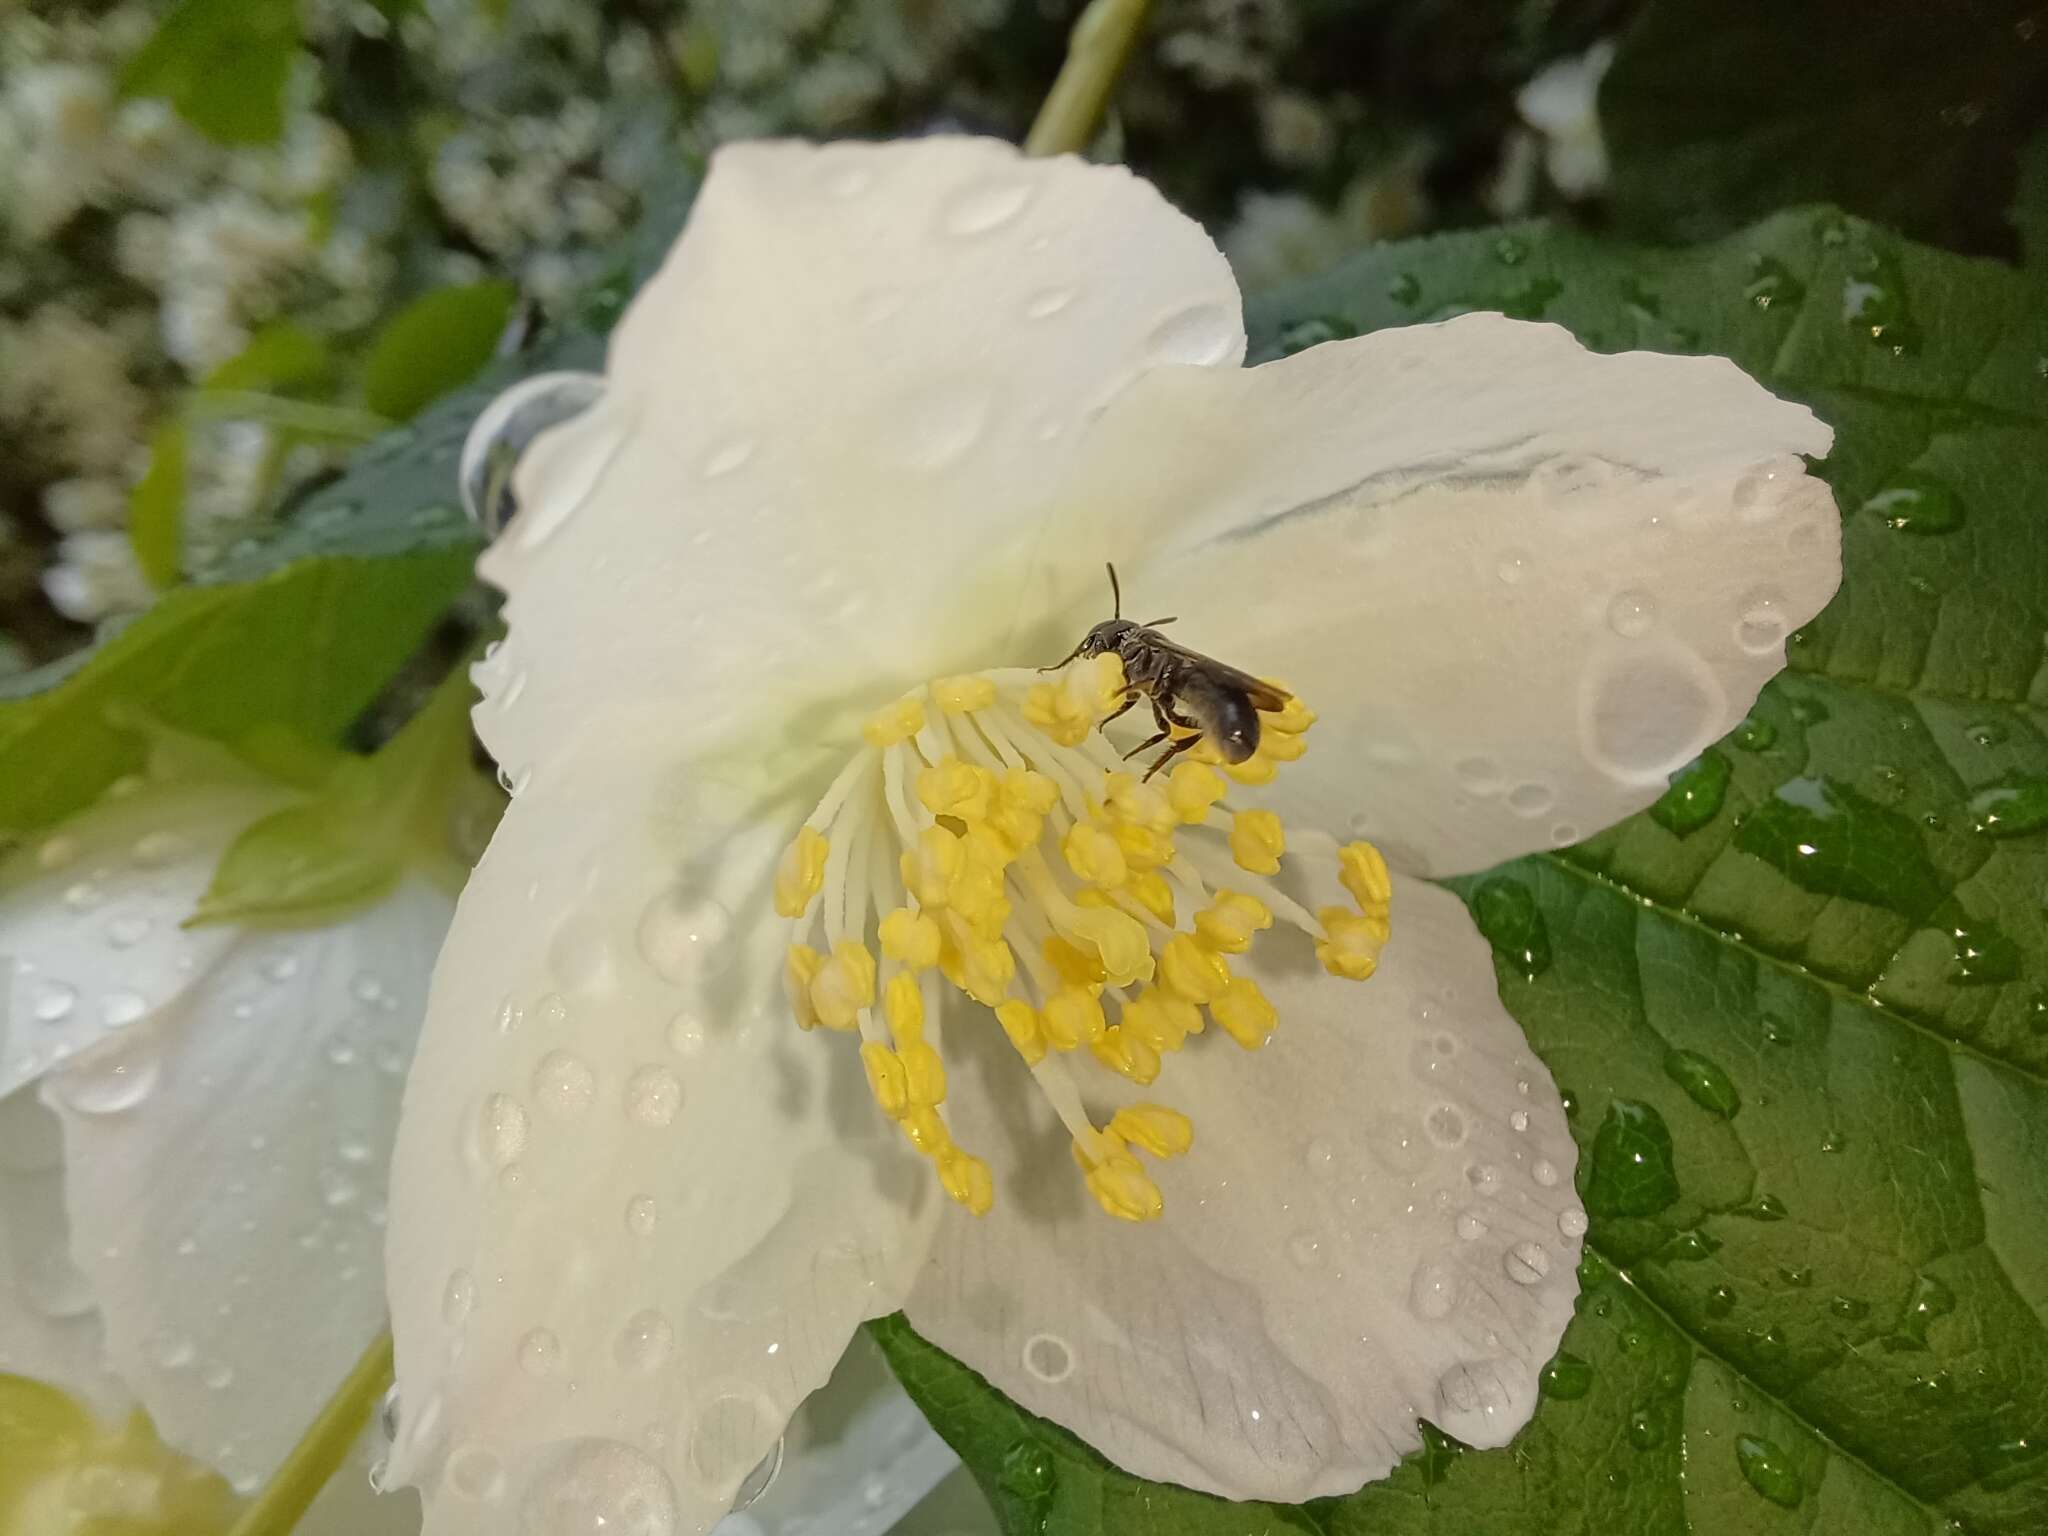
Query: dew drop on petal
458	1299
539	1352
54	1001
679	937
1471	1227
1201	334
984	206
641	1215
1761	622
653	1094
1572	1223
1048	1358
686	1034
1434	1290
728	1438
109	1084
1526	1263
1631	613
599	1488
502	1129
1544	1173
563	1085
644	1342
475	1473
120	1009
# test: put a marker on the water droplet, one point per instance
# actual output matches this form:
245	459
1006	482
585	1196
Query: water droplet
218	1376
1761	622
1572	1223
1505	910
539	1352
1306	1249
729	1438
1834	841
1632	1172
1767	1469
108	1084
653	1095
1930	1299
1566	1378
1755	735
1320	1156
1631	613
153	850
1985	954
2013	807
1648	708
503	431
1544	1172
1478	775
1484	1179
1874	302
501	1131
645	1341
1470	1226
54	1001
681	938
1704	1082
1396	1143
1048	1358
1772	285
563	1085
56	852
1509	250
1202	334
1763	1208
127	932
1918	504
1434	1291
1849	1308
475	1473
1696	794
641	1215
1720	1301
1047	302
1027	1471
984	206
458	1298
1512	566
1531	799
169	1349
727	456
1526	1263
600	1488
120	1009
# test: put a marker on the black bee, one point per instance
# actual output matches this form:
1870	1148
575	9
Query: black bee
1188	691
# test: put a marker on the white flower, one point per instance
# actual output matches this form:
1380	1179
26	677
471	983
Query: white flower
195	1121
96	575
1563	104
865	444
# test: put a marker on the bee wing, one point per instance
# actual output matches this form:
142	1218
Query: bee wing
1263	694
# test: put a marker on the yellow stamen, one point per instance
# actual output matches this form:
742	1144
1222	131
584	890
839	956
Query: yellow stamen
963	695
988	832
1293	720
898	723
801	874
1161	1131
1257	840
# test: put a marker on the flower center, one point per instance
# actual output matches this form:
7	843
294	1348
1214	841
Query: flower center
989	837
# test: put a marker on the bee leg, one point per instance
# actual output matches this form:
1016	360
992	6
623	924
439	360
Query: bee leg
1162	717
1185	744
1129	699
1149	741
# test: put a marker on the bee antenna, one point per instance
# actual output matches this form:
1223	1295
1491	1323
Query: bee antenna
1162	623
1115	591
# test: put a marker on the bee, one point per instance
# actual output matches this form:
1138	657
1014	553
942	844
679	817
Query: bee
1190	693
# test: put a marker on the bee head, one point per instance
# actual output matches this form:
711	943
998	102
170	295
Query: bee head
1109	635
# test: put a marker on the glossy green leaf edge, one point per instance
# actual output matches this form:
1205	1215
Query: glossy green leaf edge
1811	1091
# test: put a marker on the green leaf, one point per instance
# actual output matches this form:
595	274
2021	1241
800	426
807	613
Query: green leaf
1911	112
282	357
305	865
1800	1008
156	507
223	65
435	344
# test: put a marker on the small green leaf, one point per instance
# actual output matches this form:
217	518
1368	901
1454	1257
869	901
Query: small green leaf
435	344
302	866
156	508
223	65
282	357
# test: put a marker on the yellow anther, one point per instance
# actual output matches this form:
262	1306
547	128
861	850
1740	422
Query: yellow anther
1191	971
1365	876
1292	720
886	1078
1124	1052
983	968
929	869
1281	747
1192	788
1350	946
1256	769
1028	790
950	787
1139	803
1228	924
976	896
801	874
911	938
1067	710
799	969
1118	939
927	1132
844	985
966	1178
1244	1013
898	723
1072	1016
924	1072
964	694
1042	709
1143	849
1020	1022
1077	967
1161	1131
1095	856
1124	1189
1153	894
903	1007
991	845
1256	841
1159	1019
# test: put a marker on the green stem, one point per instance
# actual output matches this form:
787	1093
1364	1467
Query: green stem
322	1449
346	422
1097	49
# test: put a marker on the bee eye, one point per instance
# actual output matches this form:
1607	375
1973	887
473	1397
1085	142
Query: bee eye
503	432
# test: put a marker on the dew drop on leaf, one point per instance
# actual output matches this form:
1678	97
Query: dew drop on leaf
1756	735
1567	1377
2013	807
1917	503
1767	1469
1930	1299
1027	1471
1772	285
1696	794
1720	1301
1632	1172
1644	1432
1507	914
1704	1082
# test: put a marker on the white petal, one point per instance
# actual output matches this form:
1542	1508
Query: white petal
1376	1224
635	1212
226	1167
89	917
49	1327
832	421
1521	582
